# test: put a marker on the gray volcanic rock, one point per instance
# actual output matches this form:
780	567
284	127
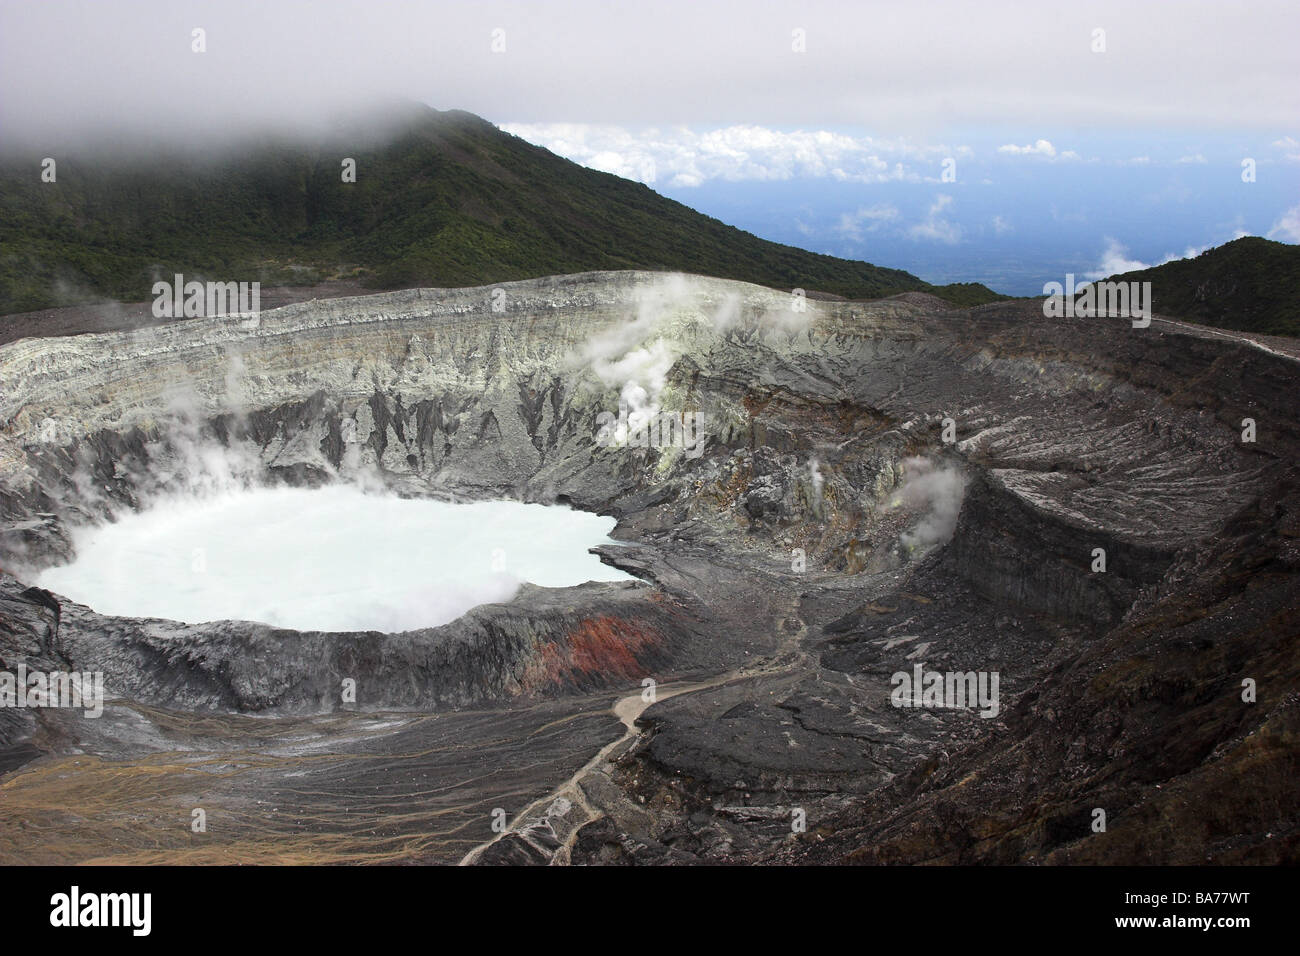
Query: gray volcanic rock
492	652
880	486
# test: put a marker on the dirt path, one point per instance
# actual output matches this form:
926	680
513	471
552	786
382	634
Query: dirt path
1273	344
628	710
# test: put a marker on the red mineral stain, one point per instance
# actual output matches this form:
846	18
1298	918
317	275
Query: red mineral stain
599	650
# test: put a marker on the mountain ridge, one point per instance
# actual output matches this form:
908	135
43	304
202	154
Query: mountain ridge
1249	284
441	199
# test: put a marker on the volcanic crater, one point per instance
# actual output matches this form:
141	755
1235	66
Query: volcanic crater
879	486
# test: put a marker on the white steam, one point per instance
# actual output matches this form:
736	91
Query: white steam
818	481
641	376
936	491
637	356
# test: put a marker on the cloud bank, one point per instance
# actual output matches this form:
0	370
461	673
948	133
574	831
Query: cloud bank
681	157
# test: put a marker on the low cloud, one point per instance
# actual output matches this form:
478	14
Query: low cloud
1115	260
1287	229
935	227
852	225
683	158
1042	148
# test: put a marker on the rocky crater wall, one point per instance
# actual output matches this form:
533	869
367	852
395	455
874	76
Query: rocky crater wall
1064	435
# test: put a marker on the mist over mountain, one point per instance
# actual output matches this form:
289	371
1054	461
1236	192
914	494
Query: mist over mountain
439	199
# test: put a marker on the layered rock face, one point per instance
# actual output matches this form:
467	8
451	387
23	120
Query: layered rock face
832	494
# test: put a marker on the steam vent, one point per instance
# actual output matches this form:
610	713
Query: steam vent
829	517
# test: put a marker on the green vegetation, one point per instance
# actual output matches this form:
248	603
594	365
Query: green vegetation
449	200
1249	284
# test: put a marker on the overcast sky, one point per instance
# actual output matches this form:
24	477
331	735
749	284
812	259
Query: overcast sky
912	67
1115	130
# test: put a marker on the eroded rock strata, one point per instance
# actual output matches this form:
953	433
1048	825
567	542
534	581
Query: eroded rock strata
881	485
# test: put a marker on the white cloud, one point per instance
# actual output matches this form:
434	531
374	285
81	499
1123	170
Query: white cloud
1001	226
916	66
936	228
867	219
1042	147
1191	252
1287	229
1290	147
683	157
1114	261
1193	159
